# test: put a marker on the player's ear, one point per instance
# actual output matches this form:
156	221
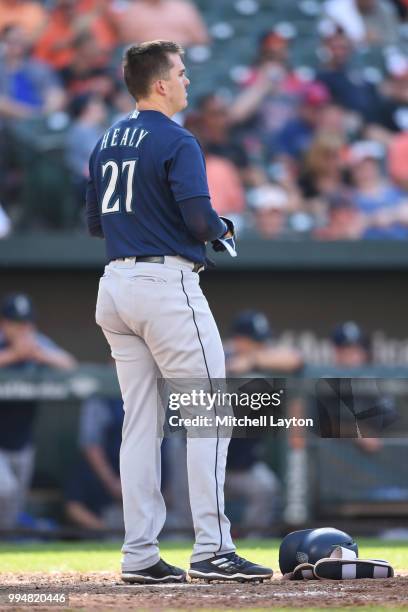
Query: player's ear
160	87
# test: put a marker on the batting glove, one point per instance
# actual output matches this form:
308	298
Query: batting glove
227	241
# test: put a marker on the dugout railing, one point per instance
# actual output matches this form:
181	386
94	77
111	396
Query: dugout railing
325	478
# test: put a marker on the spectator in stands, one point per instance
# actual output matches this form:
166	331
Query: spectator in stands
224	179
401	7
295	137
322	169
88	71
398	161
22	348
334	123
271	94
67	20
225	185
343	219
179	20
346	84
382	204
394	108
217	136
28	88
366	22
270	207
28	15
122	103
251	347
93	498
89	115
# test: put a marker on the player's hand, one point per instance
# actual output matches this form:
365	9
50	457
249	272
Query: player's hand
229	237
218	246
230	233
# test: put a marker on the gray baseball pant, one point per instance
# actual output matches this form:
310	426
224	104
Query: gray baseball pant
158	324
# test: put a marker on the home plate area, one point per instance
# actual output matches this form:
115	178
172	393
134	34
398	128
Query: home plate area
105	590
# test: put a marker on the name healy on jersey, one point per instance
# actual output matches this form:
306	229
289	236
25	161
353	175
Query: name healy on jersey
123	137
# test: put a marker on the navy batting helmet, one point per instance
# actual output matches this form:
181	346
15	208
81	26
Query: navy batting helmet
310	545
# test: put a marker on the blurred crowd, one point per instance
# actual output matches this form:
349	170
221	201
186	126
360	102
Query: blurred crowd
90	488
319	151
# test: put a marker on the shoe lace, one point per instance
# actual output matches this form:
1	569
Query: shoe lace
237	560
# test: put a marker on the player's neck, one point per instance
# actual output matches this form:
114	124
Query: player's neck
154	105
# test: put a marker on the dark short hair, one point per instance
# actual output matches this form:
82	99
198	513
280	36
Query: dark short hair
147	62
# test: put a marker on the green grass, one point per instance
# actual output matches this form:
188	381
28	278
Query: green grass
106	556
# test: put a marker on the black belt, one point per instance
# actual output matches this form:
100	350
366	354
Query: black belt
159	259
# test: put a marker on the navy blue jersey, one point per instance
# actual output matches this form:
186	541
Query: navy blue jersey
141	171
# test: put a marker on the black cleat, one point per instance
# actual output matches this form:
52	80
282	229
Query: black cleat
160	572
229	567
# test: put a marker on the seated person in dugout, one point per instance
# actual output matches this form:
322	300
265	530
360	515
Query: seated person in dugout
252	348
351	351
250	479
22	348
93	495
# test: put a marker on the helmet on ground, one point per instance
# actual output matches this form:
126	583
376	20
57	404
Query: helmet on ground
310	545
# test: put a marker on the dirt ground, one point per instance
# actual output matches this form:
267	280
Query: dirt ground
106	592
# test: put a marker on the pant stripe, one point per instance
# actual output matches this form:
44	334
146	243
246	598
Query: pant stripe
215	411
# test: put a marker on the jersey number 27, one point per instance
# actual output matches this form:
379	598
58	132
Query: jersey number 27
111	201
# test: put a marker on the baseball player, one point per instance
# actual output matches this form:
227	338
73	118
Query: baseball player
148	197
